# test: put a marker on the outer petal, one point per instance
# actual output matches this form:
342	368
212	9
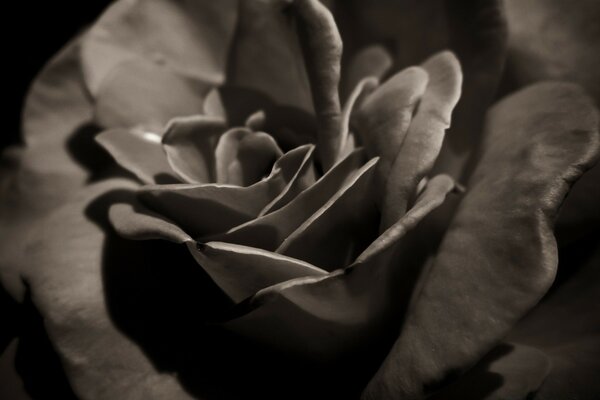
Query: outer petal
499	253
188	37
66	279
139	152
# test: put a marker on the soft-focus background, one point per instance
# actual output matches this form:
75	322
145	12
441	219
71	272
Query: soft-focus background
38	30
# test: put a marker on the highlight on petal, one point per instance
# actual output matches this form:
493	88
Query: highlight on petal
140	93
269	231
338	231
322	48
139	152
206	209
424	137
499	252
190	145
188	38
134	221
242	271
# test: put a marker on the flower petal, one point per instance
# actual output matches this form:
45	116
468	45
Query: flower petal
424	137
291	317
242	271
140	93
384	116
338	231
139	152
511	371
322	48
190	145
207	209
243	157
372	61
188	37
133	221
266	55
269	231
499	253
565	325
65	275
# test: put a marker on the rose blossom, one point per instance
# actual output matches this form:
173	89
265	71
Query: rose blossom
318	218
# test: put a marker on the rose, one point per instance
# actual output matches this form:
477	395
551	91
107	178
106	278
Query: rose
72	343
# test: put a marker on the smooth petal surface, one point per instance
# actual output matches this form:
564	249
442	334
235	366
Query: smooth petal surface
243	157
336	233
66	280
498	257
291	317
139	152
188	37
266	55
384	116
423	141
140	93
371	61
190	146
208	209
566	325
509	372
242	271
269	231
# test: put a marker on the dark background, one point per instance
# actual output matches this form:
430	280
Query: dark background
37	31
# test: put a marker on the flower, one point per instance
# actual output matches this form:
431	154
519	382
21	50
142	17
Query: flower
329	260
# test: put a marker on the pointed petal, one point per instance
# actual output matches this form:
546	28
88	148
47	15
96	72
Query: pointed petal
207	209
139	152
189	38
140	93
499	252
336	233
425	134
189	143
242	271
243	157
268	231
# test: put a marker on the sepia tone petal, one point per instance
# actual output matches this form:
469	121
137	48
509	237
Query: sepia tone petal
372	61
266	54
207	209
190	146
269	231
383	117
511	371
338	231
242	271
190	38
499	256
138	93
424	137
243	157
65	275
139	152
